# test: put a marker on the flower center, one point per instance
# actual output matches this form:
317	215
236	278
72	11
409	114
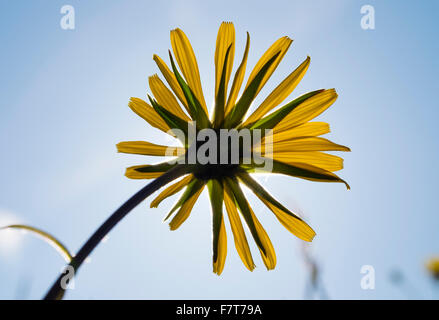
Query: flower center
218	153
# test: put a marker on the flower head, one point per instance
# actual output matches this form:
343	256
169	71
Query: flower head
282	140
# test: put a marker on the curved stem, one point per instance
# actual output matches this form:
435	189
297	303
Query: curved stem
56	291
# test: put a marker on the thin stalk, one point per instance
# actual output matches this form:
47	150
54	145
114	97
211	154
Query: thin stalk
56	291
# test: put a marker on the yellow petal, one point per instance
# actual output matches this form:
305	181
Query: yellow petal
188	64
317	170
261	238
225	38
218	265
241	243
149	149
279	94
308	129
322	160
281	45
296	226
172	81
132	173
145	111
171	190
269	257
184	211
165	98
308	110
238	79
307	144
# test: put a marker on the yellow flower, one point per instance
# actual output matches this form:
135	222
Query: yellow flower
293	147
433	267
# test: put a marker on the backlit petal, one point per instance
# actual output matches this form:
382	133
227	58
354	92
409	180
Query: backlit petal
238	79
241	243
149	149
165	97
171	80
279	94
218	266
297	227
322	160
188	64
291	221
308	129
281	45
171	190
185	210
306	144
258	232
132	173
308	110
145	111
269	257
225	38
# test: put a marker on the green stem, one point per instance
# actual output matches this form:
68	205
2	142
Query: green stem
56	291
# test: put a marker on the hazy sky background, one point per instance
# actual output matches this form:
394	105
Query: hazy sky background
64	107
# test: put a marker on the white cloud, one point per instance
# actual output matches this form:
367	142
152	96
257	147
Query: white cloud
10	240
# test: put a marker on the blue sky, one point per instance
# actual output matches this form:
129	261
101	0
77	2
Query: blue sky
64	107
